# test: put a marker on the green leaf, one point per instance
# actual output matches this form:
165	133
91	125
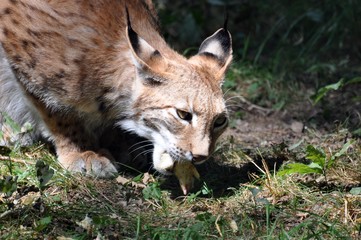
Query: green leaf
206	190
316	155
138	178
324	90
13	125
229	84
296	145
356	191
322	67
344	148
43	172
26	127
298	168
8	185
206	217
43	223
152	191
315	166
353	80
255	191
357	132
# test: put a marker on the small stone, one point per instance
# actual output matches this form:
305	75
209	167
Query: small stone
297	126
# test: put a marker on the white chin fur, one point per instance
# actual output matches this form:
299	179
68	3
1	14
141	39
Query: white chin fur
162	162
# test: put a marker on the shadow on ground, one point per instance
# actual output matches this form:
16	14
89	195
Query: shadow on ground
221	179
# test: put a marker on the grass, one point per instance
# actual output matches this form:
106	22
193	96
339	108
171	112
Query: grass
258	85
266	206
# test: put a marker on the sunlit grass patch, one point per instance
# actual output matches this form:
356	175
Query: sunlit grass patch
265	206
240	195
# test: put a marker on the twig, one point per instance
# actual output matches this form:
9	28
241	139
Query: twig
17	160
217	226
5	213
250	107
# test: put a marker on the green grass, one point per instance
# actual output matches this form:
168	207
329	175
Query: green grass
258	85
241	196
268	206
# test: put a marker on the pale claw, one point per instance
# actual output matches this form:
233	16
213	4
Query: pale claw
186	172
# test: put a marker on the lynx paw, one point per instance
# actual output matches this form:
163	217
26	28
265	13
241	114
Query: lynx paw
89	163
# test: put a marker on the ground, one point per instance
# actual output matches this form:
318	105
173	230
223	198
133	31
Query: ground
240	195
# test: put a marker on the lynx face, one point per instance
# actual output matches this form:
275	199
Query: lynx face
179	104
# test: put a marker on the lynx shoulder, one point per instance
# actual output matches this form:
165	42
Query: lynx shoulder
75	70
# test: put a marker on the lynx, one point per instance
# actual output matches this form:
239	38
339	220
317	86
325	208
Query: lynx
76	68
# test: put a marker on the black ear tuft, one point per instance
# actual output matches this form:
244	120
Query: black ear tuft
129	25
225	25
133	36
145	56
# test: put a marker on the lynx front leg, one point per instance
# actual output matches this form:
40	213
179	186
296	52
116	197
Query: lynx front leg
77	149
89	163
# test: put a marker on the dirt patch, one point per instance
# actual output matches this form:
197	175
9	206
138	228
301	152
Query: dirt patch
339	109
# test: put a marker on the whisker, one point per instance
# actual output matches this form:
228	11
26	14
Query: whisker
143	153
224	94
235	97
144	141
234	105
146	145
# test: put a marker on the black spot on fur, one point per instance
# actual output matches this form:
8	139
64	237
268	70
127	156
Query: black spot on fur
17	58
32	64
24	44
60	74
6	32
13	2
15	22
7	11
33	44
150	124
102	107
33	33
156	53
30	18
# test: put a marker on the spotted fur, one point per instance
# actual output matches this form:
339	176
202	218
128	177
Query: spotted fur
74	70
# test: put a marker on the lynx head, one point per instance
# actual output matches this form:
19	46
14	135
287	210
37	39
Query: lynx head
177	102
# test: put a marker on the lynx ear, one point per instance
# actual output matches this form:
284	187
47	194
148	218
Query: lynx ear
218	48
145	56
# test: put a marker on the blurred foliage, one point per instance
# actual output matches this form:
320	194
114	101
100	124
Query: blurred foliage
302	35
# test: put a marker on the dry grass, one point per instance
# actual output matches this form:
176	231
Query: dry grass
253	203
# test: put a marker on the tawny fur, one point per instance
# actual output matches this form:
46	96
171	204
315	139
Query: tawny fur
75	69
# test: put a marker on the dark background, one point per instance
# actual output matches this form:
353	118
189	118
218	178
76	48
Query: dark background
280	35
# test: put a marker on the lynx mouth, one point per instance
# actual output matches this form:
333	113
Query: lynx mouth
198	161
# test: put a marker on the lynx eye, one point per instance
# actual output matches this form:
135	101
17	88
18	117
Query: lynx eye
220	121
187	116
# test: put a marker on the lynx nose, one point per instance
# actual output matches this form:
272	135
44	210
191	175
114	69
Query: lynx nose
199	158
